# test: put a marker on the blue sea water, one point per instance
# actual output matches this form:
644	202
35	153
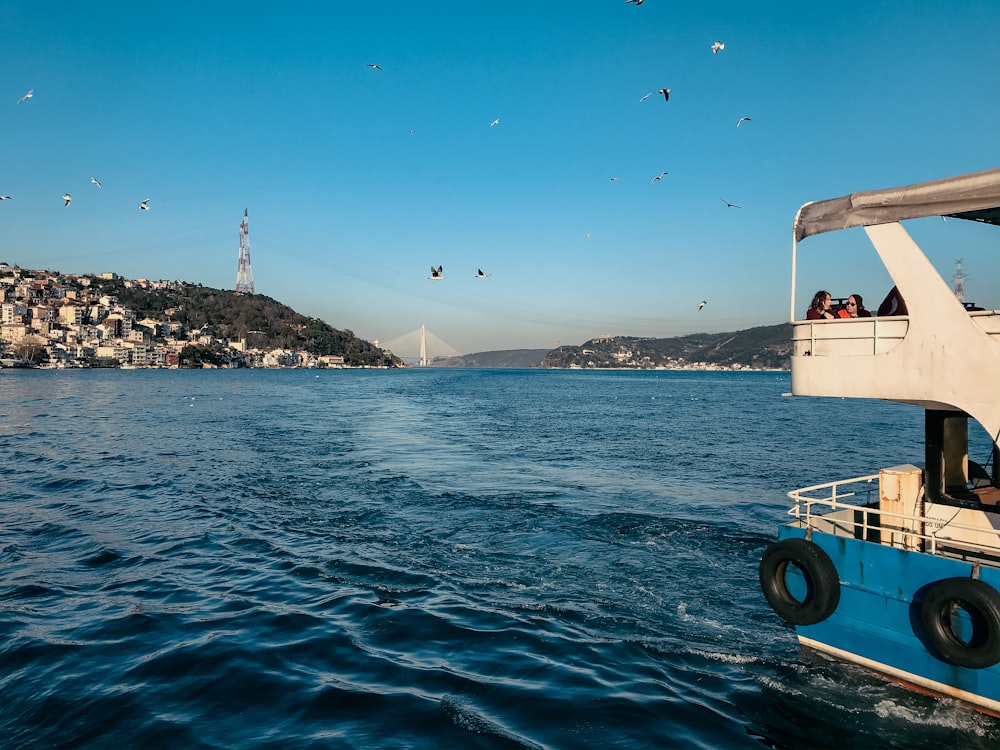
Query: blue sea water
426	558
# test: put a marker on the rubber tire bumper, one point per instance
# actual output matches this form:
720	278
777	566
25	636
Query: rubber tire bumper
981	602
822	581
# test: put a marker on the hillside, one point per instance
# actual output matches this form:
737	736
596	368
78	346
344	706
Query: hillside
106	320
764	347
506	358
224	314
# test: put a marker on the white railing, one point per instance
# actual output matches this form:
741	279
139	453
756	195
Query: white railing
948	529
866	336
847	336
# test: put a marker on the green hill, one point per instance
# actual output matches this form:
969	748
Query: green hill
764	347
225	314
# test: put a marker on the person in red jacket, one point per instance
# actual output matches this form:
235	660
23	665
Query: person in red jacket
819	309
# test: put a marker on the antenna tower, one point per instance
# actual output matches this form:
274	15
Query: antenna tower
244	274
959	278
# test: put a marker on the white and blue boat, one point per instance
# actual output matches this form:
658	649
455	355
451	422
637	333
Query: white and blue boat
899	570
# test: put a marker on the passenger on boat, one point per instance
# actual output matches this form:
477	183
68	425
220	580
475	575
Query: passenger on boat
856	307
819	309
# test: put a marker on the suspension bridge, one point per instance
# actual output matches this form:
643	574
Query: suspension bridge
419	347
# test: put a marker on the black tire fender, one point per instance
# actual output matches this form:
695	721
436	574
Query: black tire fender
981	604
820	574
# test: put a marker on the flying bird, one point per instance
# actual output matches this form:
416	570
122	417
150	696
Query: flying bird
479	273
646	97
742	120
495	122
717	47
659	176
702	303
4	197
26	96
666	94
586	236
95	181
614	179
67	198
375	66
436	273
731	205
144	206
637	2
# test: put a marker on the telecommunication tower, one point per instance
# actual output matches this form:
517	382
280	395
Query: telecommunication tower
244	274
959	278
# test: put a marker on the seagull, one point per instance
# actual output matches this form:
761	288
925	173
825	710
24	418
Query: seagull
144	206
436	273
495	122
659	176
586	236
95	181
375	66
479	273
4	197
702	303
411	132
614	179
742	120
666	94
26	96
67	198
646	96
637	2
731	205
717	47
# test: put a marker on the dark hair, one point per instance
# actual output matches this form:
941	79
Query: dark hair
861	302
817	303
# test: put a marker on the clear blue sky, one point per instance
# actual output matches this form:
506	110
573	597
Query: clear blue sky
212	107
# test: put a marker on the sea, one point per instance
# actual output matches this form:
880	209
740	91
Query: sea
427	558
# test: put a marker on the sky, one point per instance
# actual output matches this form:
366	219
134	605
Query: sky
358	180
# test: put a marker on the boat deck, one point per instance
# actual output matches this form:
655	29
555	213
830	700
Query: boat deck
965	528
855	337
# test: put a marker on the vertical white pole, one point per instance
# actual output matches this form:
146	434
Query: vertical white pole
791	306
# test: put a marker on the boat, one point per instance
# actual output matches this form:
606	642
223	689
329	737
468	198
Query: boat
898	570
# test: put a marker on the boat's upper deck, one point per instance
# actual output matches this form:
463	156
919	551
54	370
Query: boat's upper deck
862	337
939	354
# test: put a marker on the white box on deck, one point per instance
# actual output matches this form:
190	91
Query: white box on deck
899	492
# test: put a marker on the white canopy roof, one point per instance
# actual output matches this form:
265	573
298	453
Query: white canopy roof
974	196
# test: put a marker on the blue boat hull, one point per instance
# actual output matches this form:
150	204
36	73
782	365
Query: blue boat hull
877	622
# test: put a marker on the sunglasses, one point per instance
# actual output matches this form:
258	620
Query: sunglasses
852	304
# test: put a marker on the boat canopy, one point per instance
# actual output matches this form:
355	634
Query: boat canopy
974	196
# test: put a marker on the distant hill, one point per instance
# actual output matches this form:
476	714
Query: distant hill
764	347
506	358
225	314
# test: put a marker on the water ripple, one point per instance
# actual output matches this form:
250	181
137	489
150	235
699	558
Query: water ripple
418	559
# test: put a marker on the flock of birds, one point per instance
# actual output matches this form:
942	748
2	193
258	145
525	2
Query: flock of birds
437	274
66	197
717	47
